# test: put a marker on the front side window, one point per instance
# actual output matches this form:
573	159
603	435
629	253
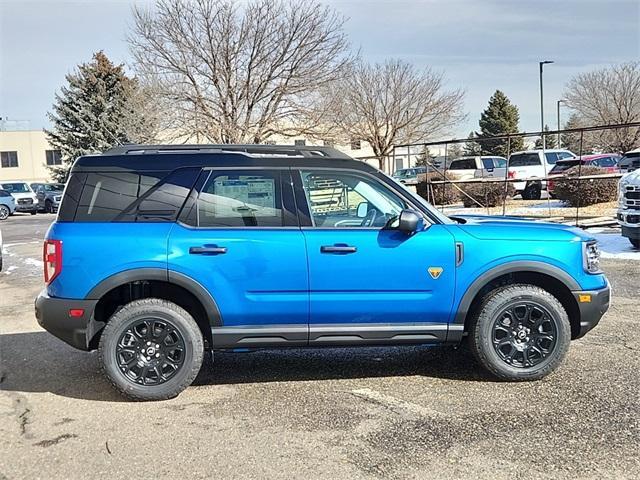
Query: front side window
238	199
8	159
551	157
488	163
500	162
339	199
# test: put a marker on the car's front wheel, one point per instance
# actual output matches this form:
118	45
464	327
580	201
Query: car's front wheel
533	191
520	332
151	349
634	241
4	212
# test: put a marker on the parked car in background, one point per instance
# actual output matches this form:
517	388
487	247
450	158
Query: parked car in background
0	250
629	206
409	176
26	200
466	168
607	161
49	196
630	161
7	204
531	165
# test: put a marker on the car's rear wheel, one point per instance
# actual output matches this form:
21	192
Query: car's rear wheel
4	212
533	191
48	206
520	332
151	349
33	212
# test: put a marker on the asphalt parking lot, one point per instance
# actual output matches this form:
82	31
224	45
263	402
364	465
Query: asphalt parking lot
352	413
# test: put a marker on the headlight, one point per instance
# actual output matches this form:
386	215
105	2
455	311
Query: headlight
591	257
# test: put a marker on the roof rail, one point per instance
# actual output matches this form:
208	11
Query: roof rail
253	150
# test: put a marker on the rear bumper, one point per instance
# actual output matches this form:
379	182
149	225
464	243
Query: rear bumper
591	311
53	315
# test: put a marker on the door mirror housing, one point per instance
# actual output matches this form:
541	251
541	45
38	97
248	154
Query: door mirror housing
410	222
363	209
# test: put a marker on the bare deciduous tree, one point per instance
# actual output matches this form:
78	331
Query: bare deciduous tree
391	103
239	74
606	97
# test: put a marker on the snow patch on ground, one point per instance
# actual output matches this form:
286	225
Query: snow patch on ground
616	246
33	262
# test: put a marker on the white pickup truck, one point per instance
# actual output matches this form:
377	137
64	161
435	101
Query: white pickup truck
629	206
466	168
531	165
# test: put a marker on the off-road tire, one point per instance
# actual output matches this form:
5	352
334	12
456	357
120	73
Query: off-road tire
533	191
163	310
481	331
635	242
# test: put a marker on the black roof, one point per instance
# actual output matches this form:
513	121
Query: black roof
169	157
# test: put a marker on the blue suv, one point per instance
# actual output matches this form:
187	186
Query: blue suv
161	254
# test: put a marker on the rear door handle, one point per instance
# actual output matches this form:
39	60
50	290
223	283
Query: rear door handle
208	250
338	249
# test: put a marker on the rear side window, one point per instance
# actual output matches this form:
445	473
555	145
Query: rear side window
488	163
126	196
524	160
240	198
463	164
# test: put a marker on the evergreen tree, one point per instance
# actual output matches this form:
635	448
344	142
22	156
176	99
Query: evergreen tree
98	109
551	140
472	148
571	141
499	118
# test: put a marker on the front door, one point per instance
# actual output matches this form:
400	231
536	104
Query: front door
370	284
239	238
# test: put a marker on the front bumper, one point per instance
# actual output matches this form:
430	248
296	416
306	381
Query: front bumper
593	304
53	315
26	207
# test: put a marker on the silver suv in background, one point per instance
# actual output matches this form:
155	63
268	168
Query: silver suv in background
49	196
466	168
26	200
409	176
532	166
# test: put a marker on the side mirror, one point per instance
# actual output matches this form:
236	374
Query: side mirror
363	209
410	222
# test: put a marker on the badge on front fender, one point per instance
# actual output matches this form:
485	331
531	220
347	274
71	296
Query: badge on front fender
435	272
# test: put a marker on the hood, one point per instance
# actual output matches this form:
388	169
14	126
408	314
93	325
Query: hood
20	195
490	227
631	178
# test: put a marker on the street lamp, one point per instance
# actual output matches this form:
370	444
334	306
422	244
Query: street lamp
558	104
544	141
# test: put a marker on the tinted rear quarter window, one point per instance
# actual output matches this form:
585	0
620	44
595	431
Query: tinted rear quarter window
524	160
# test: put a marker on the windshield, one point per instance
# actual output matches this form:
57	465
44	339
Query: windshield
16	187
54	187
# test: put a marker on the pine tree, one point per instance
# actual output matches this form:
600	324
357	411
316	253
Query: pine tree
499	118
98	109
551	140
472	148
571	141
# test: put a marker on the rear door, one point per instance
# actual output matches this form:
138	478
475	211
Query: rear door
238	236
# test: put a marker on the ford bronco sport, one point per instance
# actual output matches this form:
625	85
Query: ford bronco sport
161	254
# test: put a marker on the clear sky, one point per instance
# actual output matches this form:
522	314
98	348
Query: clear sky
480	46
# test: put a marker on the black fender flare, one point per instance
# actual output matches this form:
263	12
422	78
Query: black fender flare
520	266
162	275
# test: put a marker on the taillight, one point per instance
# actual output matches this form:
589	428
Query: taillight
52	258
512	174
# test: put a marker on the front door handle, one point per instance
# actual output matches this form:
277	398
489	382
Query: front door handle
338	249
208	250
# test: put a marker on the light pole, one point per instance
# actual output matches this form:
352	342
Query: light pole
558	104
544	140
